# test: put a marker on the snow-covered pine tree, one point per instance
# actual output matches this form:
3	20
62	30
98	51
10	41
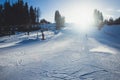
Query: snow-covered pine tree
98	18
60	21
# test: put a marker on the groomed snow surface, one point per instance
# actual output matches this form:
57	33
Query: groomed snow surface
67	55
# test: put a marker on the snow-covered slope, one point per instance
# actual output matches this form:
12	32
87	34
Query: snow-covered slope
68	55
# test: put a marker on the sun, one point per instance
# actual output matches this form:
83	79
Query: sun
84	18
85	15
81	15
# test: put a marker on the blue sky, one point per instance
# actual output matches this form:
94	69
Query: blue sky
71	9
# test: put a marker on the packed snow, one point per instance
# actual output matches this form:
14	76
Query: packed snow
68	55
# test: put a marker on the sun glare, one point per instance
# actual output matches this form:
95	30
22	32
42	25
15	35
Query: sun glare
83	17
86	18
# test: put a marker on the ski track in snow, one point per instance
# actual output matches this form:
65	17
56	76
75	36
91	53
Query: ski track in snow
67	55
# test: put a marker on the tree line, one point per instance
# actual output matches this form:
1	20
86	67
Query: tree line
99	19
21	17
17	16
111	21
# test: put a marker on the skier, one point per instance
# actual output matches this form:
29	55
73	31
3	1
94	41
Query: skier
43	36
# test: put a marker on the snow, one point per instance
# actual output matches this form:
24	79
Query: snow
103	49
67	55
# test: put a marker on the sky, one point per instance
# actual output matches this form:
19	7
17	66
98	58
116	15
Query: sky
74	10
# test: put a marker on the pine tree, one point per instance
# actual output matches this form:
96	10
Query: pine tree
1	15
7	13
57	19
26	13
60	21
111	21
1	19
37	15
98	18
32	15
117	21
